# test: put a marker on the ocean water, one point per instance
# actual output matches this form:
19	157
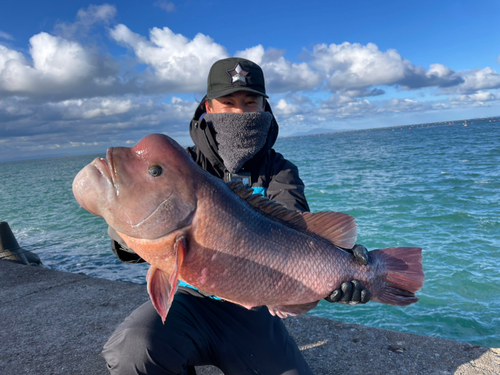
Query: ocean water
433	187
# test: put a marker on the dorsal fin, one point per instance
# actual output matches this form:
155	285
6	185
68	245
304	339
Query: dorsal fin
336	227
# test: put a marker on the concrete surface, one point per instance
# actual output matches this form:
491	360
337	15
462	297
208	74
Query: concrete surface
56	323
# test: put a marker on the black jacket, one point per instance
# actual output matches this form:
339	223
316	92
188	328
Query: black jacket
268	170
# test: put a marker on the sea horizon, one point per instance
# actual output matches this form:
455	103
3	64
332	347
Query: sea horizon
304	134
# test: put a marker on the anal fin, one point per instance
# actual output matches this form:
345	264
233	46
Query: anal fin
292	310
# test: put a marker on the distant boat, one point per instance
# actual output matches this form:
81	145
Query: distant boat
465	124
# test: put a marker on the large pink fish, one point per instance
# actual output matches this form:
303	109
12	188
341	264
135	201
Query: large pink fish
229	243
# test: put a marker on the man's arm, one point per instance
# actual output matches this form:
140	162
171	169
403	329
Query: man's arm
285	185
121	250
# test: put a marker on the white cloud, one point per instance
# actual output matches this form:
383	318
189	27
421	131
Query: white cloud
404	105
478	79
88	118
342	106
86	19
438	75
13	108
478	99
179	64
165	5
58	60
286	109
353	68
58	66
280	74
8	55
4	35
254	54
13	70
91	108
364	92
96	13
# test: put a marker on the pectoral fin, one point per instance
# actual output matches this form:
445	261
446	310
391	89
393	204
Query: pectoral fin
162	283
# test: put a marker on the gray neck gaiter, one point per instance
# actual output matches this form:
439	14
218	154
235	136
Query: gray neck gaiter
239	136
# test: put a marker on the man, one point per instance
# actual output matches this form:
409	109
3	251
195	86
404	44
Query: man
233	130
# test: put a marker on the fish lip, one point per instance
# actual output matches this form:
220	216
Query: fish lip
106	168
111	164
102	166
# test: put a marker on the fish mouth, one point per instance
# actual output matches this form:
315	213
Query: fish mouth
89	181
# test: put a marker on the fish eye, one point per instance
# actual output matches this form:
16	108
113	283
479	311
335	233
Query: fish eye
155	170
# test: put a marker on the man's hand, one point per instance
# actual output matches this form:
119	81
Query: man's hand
352	292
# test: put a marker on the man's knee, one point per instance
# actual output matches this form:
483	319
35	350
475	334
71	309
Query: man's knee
135	350
124	351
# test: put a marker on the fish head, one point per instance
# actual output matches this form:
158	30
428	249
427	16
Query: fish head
146	191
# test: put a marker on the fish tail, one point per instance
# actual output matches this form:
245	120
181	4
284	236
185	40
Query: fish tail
403	275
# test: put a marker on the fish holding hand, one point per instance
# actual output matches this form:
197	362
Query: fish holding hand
228	242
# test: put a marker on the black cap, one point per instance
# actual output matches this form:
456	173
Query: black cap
235	74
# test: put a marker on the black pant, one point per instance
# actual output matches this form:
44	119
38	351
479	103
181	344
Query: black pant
203	331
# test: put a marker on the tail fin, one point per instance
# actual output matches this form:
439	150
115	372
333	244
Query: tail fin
403	275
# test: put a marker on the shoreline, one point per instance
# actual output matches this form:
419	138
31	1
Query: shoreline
55	322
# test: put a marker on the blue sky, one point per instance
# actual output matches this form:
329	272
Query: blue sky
77	77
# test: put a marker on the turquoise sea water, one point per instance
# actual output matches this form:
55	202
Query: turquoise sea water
433	187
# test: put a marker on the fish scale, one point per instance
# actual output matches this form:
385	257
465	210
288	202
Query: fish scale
268	244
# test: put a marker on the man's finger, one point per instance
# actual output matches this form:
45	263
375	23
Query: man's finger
361	254
356	294
335	296
365	296
346	292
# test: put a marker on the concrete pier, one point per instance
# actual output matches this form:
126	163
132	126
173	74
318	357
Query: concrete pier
56	322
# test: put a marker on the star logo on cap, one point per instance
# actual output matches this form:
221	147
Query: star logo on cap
238	74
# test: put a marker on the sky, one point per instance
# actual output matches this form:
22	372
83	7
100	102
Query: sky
77	77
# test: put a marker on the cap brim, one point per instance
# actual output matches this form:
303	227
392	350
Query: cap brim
218	94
